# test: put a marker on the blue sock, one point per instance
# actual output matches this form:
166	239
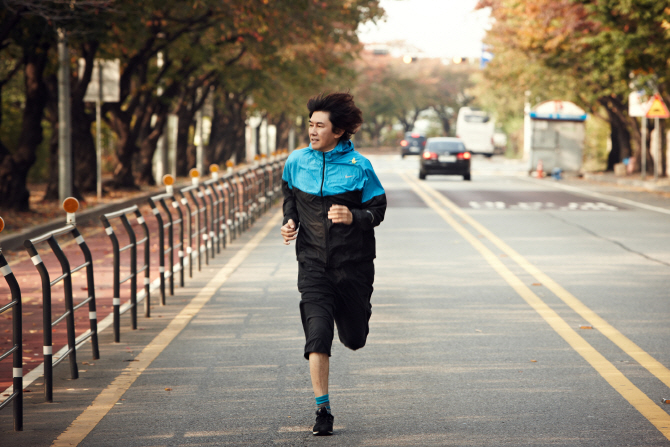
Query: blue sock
323	401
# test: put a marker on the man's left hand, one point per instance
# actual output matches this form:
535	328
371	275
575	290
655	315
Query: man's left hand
340	214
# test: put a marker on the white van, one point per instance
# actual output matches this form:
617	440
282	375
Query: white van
475	127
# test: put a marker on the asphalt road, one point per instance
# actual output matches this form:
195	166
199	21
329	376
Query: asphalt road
507	311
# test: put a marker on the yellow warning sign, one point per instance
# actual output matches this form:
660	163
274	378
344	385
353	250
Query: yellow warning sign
657	108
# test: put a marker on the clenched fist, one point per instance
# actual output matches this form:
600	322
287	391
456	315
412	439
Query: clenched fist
340	214
289	232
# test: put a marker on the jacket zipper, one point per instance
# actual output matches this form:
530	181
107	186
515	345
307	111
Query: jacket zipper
323	207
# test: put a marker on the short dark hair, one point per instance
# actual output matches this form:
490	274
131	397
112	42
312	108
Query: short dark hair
344	115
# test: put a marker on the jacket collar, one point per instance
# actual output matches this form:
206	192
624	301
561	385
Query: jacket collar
342	148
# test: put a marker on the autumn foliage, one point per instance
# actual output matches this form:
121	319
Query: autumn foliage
590	52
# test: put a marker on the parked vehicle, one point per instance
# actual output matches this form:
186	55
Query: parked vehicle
476	128
499	142
446	156
412	144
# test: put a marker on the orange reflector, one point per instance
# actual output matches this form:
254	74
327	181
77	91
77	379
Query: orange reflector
168	180
213	167
230	163
70	205
2	224
194	173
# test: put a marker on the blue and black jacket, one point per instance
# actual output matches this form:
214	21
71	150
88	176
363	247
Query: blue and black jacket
311	183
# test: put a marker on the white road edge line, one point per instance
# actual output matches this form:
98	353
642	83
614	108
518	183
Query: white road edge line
598	195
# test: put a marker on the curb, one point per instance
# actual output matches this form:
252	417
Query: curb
660	186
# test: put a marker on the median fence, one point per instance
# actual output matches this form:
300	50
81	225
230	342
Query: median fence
193	222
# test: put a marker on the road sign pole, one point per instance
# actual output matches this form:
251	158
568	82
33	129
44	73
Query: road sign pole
643	156
656	145
98	131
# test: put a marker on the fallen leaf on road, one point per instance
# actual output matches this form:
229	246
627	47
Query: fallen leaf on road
537	284
533	361
168	389
585	327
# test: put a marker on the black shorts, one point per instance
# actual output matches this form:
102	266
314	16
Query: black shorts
340	295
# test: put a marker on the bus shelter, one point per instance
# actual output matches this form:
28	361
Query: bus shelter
557	136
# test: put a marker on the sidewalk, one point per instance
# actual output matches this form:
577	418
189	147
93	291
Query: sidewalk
661	185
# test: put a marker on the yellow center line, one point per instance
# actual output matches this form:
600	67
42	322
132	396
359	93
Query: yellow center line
624	343
640	401
106	400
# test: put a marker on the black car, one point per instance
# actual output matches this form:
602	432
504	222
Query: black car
444	155
412	144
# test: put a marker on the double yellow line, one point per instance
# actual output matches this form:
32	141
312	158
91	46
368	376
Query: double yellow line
642	403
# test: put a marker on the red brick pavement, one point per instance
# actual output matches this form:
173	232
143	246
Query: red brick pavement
101	250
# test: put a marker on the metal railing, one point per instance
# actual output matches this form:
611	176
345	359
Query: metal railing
212	197
70	308
198	222
179	246
163	227
133	270
16	351
214	213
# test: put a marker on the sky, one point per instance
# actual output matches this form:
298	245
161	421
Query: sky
437	28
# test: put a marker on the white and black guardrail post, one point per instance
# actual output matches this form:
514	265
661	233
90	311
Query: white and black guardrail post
132	276
16	351
70	205
168	181
217	185
166	273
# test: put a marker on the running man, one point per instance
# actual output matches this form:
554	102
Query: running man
332	202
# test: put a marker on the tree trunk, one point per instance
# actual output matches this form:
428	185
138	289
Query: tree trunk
623	127
124	153
148	149
183	137
14	167
51	115
228	137
281	137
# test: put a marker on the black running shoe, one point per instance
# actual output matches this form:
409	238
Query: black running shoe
324	423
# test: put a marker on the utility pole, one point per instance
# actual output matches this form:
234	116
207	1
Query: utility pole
64	117
98	131
161	156
527	127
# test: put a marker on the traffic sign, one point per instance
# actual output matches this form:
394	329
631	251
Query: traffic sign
657	108
637	104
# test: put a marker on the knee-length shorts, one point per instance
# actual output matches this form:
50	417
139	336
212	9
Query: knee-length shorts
335	295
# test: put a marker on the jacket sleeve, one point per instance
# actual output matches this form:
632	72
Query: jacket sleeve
290	208
372	210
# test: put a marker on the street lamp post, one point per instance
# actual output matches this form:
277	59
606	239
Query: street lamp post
64	119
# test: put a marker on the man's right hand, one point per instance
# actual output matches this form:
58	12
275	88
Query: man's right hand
289	232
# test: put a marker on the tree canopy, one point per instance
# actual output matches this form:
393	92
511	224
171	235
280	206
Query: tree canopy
246	56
